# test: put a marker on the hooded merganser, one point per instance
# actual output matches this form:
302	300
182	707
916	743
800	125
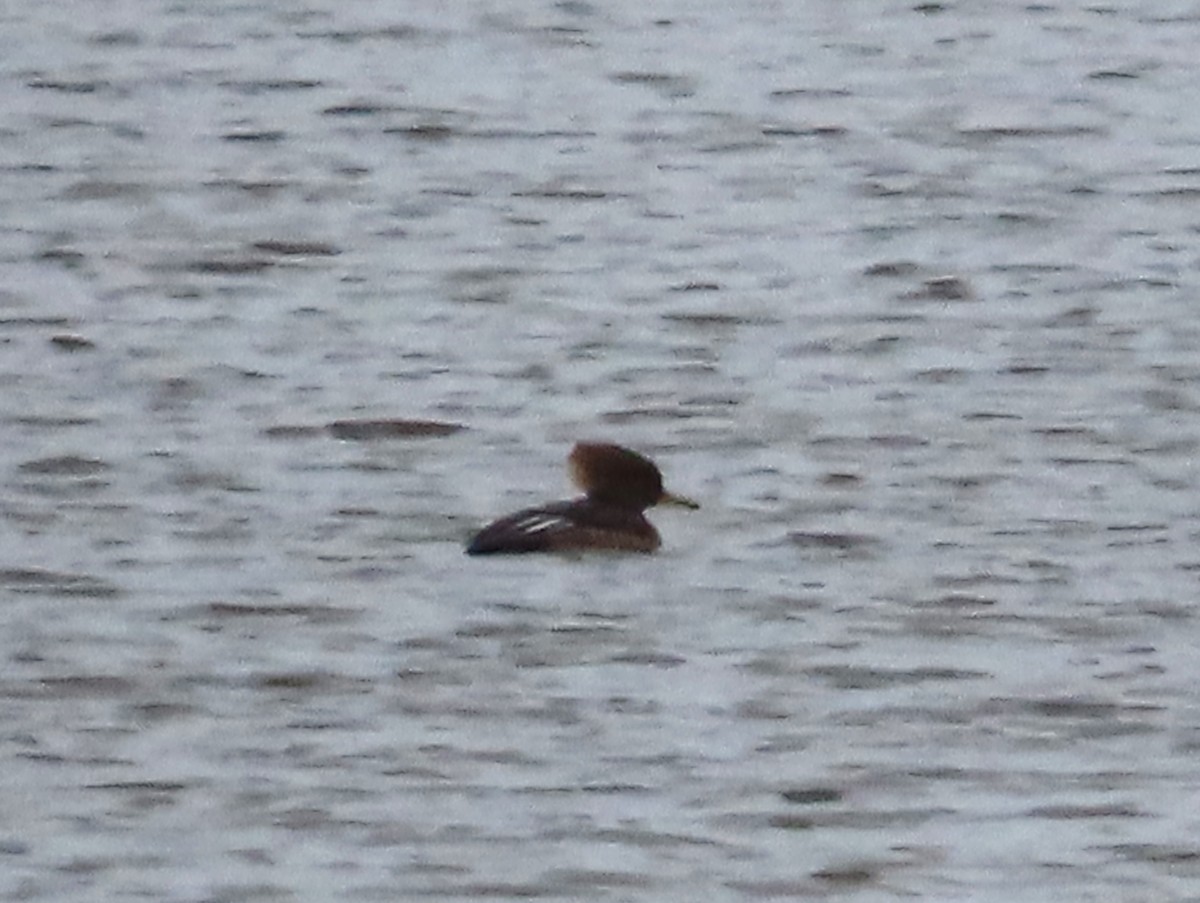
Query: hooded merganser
618	485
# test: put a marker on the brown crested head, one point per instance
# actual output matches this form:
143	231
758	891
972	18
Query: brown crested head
615	475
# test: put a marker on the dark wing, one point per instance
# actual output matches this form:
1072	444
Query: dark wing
532	530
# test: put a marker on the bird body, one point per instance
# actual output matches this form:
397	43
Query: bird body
618	485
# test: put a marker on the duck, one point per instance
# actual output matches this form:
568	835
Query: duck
618	486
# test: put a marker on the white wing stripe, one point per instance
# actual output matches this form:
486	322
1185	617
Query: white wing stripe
537	523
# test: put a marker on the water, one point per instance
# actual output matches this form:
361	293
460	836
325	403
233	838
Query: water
902	293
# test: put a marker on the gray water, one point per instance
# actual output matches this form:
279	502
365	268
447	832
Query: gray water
905	294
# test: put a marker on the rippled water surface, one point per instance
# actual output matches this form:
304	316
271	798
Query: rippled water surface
293	297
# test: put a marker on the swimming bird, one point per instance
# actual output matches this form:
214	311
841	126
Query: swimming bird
618	485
